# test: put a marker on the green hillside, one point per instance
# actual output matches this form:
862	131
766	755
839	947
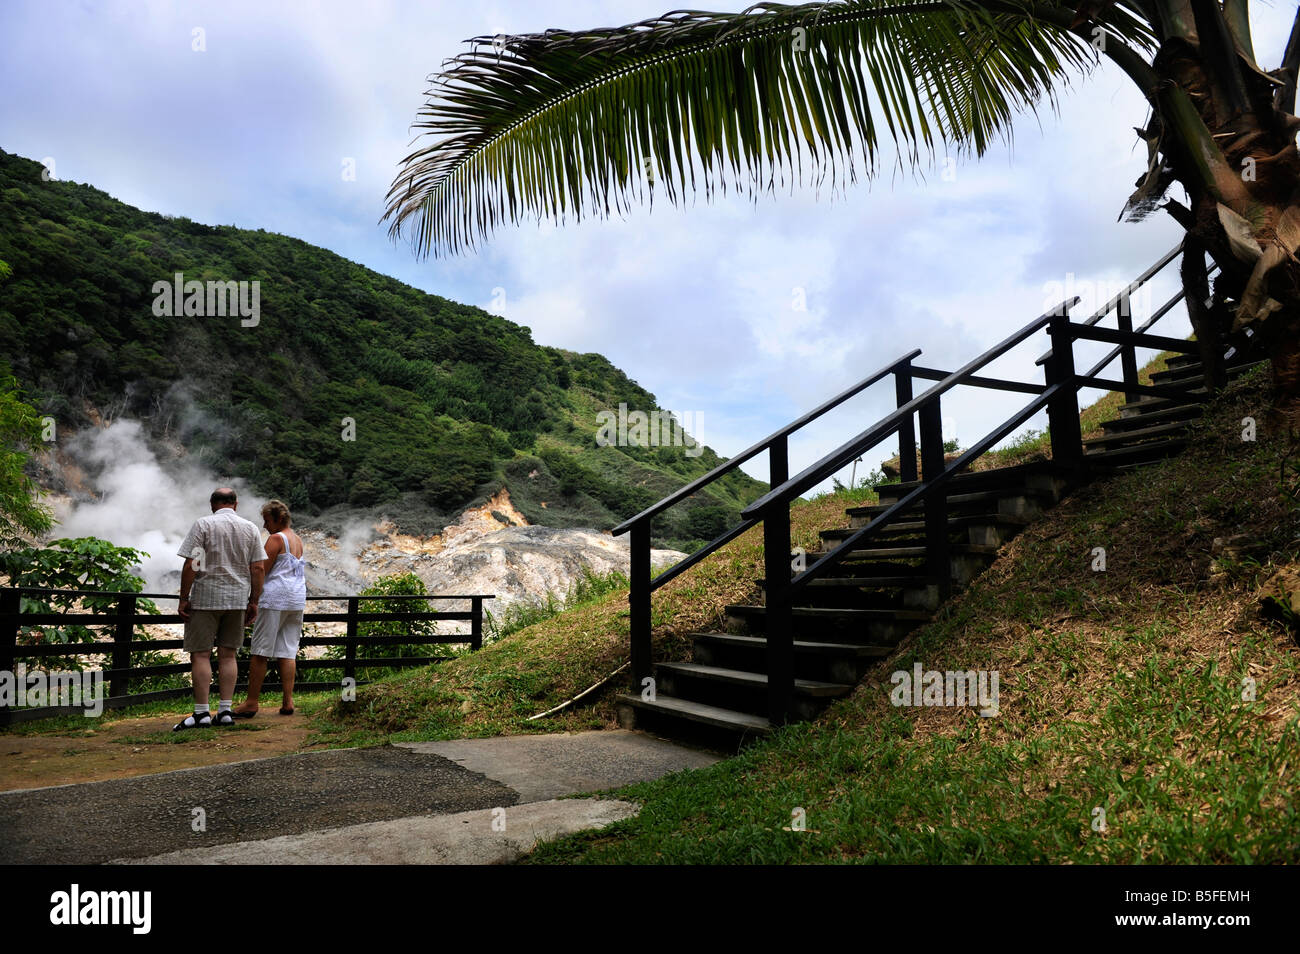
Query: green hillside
447	402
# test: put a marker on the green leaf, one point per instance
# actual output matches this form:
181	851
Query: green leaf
557	121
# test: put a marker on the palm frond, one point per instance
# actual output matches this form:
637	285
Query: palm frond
563	123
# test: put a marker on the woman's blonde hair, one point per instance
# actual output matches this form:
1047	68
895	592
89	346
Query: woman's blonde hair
276	511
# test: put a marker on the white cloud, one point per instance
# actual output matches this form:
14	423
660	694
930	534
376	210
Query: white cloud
693	303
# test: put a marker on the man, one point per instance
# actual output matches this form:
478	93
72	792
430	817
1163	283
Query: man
221	584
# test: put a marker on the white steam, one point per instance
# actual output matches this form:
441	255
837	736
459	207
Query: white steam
139	503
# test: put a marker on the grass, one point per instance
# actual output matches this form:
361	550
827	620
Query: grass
168	737
305	704
1123	692
587	588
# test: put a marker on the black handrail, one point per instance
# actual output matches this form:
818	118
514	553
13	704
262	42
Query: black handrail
918	493
854	448
1133	286
1130	359
753	451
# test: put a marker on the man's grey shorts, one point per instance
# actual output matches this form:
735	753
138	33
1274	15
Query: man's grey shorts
225	628
276	633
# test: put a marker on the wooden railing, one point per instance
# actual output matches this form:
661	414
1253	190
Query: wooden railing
125	618
1058	395
642	586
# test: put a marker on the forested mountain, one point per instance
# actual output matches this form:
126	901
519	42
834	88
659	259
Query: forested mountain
447	402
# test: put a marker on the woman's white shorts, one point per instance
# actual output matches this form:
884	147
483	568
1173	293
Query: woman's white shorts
276	633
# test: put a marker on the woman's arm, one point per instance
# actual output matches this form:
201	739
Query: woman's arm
274	546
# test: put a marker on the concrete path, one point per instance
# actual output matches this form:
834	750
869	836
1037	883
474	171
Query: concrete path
549	766
492	837
468	801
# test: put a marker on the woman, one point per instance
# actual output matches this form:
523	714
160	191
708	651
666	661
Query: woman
278	625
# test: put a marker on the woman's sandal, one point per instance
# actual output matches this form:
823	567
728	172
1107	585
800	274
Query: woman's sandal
284	711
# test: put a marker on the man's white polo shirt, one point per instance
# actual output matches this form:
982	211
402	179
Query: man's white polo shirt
226	544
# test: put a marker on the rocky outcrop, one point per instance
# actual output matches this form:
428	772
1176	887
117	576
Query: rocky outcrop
477	555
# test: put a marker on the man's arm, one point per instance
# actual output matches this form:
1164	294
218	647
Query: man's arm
257	574
191	547
187	582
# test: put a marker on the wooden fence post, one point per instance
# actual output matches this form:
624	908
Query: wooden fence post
120	684
476	625
938	560
350	648
639	604
778	618
1063	409
778	621
906	430
10	603
1128	356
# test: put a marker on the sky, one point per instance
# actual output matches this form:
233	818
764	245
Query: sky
250	114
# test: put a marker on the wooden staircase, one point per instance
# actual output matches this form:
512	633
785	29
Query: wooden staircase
1150	428
855	598
880	593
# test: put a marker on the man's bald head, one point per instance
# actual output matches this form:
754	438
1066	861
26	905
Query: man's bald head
223	497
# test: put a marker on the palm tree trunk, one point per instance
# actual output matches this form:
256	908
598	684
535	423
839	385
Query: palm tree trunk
1231	142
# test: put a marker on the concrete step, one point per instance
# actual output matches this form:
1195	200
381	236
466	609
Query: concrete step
870	552
1137	435
1183	412
1189	378
1022	502
990	529
1192	372
834	662
902	582
741	690
1147	404
1137	454
849	592
666	712
752	680
864	627
1036	476
965	561
803	614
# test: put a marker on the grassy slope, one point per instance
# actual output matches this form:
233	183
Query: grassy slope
1120	690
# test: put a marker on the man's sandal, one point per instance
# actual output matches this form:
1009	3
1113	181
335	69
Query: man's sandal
198	720
224	718
243	715
284	711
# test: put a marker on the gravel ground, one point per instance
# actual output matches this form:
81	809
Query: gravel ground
138	817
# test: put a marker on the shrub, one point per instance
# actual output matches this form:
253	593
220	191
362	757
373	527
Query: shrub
421	633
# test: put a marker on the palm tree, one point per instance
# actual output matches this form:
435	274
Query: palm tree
563	123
